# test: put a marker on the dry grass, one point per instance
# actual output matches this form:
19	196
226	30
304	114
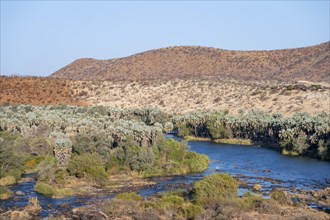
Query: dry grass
172	96
180	96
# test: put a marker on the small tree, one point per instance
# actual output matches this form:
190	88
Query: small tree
168	127
299	144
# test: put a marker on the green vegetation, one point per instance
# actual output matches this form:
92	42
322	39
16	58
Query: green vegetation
5	193
280	197
88	144
87	166
168	206
220	141
215	188
215	197
301	134
44	188
128	196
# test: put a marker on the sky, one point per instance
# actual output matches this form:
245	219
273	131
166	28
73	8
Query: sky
40	37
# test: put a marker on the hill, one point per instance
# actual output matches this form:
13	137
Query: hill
308	63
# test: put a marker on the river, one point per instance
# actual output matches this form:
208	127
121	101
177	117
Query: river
251	164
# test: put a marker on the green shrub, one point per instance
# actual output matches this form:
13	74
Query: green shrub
138	158
280	197
44	188
172	150
196	162
190	211
40	145
183	130
133	196
60	176
215	188
12	154
172	200
46	169
17	172
87	166
5	193
177	204
93	143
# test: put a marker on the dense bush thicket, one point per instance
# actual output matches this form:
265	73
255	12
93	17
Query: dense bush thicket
100	124
301	134
89	143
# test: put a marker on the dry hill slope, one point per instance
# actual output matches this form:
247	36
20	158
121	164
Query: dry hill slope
308	63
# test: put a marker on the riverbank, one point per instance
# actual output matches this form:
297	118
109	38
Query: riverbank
73	186
194	202
220	141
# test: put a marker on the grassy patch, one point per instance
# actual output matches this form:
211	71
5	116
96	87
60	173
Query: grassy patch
44	188
133	196
290	153
5	193
7	180
220	141
63	192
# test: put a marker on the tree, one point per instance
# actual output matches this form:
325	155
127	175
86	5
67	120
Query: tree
299	143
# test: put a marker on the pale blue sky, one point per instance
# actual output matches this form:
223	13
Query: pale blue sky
38	38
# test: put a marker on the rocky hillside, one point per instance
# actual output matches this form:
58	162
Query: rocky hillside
308	63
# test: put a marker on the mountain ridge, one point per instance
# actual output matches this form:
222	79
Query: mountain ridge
305	63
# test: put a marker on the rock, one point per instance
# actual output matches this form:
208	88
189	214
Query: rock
20	193
33	208
24	180
257	187
7	180
20	215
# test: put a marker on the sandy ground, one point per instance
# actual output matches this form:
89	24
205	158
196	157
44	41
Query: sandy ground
180	96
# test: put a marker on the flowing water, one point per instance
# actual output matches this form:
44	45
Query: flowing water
251	164
256	165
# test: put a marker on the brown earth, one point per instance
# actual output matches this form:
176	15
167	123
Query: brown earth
308	63
36	91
